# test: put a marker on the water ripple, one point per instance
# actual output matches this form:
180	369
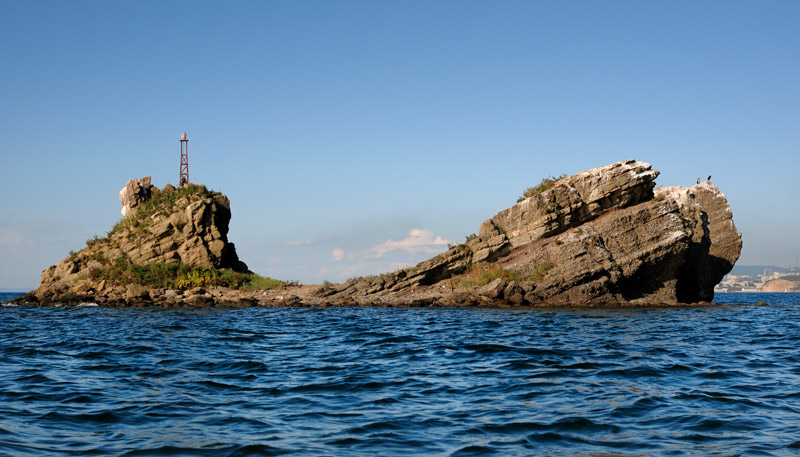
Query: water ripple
383	381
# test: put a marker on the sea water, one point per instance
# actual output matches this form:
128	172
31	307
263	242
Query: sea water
722	380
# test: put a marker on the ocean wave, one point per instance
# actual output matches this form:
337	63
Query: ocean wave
362	382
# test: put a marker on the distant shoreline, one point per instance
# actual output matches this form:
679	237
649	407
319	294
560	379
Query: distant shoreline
758	292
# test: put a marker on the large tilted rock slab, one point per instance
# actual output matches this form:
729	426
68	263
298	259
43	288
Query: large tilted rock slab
634	254
603	236
674	248
572	201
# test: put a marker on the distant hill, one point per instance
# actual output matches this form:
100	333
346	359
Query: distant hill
755	270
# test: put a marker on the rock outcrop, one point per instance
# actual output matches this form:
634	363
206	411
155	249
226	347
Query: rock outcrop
188	225
134	194
603	236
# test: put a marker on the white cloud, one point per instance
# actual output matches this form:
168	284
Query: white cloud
299	243
364	268
337	254
418	241
12	238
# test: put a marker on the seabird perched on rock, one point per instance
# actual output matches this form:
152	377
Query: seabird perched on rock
709	178
698	180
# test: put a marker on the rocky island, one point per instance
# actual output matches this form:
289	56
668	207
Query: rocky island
602	237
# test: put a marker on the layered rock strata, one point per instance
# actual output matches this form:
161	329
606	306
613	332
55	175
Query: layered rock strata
603	236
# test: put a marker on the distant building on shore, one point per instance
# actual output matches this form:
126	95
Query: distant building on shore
768	281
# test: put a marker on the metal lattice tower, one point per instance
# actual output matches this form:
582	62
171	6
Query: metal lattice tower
184	177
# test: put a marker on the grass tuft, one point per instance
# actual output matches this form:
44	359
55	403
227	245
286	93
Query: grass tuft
480	274
541	271
545	184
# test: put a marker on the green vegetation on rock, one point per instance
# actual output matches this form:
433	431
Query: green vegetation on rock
481	274
181	276
162	202
547	183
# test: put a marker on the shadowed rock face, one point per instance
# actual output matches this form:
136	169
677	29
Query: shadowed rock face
716	244
603	236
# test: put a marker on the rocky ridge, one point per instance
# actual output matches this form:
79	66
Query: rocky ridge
602	237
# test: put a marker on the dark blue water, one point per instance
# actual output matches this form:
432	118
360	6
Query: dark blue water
398	382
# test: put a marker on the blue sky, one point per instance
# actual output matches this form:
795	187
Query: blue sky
359	137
